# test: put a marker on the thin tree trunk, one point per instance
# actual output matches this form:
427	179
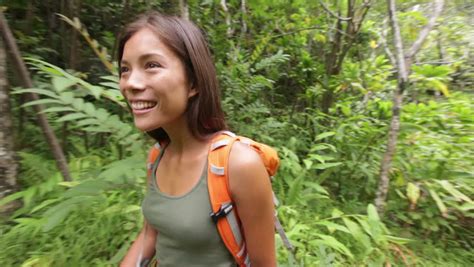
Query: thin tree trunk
342	42
184	9
228	19
43	122
8	165
74	8
243	10
403	70
30	15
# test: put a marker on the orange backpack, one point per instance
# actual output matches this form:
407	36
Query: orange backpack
223	212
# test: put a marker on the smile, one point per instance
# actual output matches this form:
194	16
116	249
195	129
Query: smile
140	107
142	104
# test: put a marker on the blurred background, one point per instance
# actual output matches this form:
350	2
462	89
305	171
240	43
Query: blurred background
377	160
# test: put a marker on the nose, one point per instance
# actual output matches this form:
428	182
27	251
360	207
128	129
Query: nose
133	81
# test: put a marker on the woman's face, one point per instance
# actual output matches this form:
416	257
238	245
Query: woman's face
154	81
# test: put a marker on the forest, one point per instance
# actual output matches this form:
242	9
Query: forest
369	104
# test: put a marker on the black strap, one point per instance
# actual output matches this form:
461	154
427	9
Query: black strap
222	212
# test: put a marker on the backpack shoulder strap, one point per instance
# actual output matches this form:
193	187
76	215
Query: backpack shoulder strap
223	212
153	153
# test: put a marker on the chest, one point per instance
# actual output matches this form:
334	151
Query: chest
176	178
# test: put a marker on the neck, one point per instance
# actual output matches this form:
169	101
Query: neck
182	140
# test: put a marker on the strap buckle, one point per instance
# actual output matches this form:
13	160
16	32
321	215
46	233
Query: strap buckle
222	212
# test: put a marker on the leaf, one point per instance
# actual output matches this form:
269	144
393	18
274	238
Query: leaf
317	157
357	233
373	44
89	109
324	135
88	121
61	83
102	115
71	117
95	90
332	243
372	213
467	207
322	147
320	38
442	208
57	109
44	204
446	185
78	103
413	193
113	85
322	166
12	197
333	226
440	86
41	102
307	163
57	217
36	91
87	188
67	97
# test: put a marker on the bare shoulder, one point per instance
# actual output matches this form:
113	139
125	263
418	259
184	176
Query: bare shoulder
242	155
246	170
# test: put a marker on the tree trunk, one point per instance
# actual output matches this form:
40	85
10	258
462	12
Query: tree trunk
228	18
184	9
243	10
341	42
74	8
43	122
403	70
8	164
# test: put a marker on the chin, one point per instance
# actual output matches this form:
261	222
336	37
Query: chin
145	127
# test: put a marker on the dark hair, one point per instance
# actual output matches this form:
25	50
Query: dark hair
204	112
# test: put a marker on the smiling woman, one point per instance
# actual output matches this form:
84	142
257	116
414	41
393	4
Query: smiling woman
169	81
154	81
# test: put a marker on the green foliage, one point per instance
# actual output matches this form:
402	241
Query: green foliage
273	78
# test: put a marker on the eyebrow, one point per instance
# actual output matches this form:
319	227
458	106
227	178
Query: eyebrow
144	56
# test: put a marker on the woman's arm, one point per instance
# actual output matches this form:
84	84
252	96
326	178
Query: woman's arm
252	192
148	245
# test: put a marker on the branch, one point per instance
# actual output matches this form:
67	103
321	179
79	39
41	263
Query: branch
426	30
397	39
332	13
99	50
383	39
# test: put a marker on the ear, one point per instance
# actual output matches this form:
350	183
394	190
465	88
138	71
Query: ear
192	92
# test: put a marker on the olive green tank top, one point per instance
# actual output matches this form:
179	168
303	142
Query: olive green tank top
187	236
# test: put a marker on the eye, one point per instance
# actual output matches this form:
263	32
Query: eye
150	65
123	69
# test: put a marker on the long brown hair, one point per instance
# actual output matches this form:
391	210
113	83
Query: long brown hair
204	112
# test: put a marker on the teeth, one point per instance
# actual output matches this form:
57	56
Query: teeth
142	104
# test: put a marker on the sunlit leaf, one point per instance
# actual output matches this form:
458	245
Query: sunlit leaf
442	208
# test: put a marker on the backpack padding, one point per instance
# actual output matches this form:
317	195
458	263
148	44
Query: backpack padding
229	227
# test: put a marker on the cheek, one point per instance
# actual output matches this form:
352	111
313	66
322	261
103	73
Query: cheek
121	87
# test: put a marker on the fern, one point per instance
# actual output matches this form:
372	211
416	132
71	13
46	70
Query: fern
62	80
62	100
272	61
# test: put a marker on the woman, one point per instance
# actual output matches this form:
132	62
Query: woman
169	81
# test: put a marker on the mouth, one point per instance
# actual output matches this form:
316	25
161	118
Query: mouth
142	107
